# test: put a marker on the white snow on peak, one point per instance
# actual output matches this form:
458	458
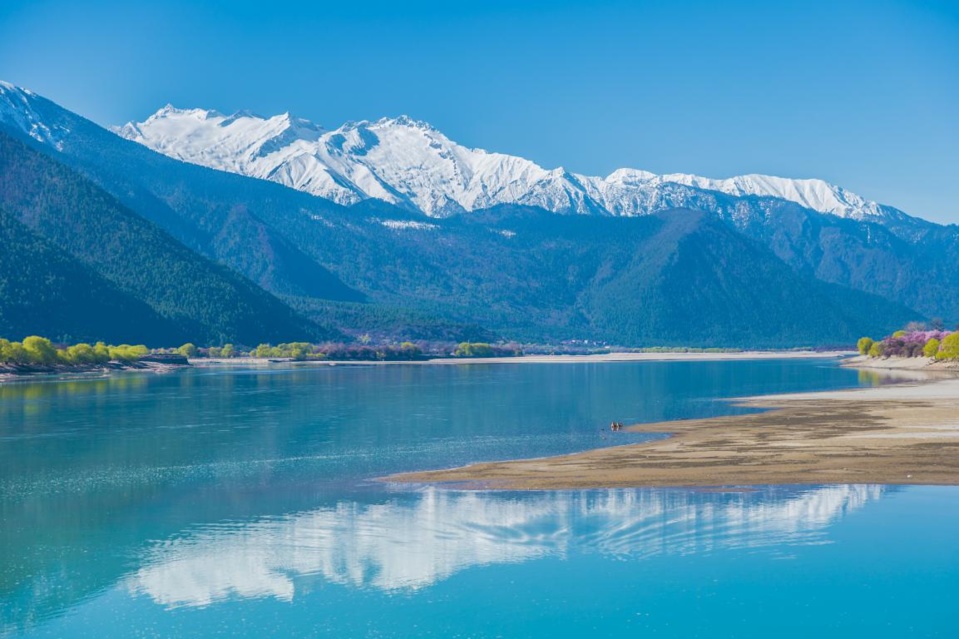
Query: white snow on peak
812	194
629	177
18	109
410	163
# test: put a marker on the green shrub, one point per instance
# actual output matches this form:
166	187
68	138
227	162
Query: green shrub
102	352
79	354
188	350
127	353
473	349
949	349
12	352
39	350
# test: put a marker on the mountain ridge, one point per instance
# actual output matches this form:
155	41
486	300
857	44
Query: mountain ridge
409	162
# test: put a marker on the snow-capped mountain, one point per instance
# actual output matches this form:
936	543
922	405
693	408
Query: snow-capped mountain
292	243
18	108
410	163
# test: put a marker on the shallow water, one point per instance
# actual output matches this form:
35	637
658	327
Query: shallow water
242	503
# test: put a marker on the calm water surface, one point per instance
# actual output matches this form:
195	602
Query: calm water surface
243	503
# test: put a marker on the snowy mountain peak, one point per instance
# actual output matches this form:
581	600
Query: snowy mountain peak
409	162
406	121
810	193
19	109
630	176
7	87
169	111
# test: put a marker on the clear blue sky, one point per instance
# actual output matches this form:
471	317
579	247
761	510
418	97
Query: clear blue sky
863	94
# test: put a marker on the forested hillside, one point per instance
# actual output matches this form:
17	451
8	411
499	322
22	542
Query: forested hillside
198	298
678	278
45	290
915	263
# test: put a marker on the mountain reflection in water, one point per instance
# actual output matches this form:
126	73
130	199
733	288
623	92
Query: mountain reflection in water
413	541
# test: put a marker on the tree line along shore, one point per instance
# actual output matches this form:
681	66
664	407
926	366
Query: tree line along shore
40	354
915	340
36	353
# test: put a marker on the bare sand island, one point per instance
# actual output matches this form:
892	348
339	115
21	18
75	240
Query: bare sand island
903	434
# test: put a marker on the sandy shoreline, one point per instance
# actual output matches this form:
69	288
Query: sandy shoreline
643	357
54	374
924	364
7	376
539	359
901	434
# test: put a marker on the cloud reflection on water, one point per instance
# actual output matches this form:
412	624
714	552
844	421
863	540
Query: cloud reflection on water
413	541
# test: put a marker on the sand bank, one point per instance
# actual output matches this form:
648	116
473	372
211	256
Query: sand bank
925	364
902	434
643	357
538	359
10	374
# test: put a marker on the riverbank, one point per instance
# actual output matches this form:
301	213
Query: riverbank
900	434
540	359
23	373
38	373
925	364
644	357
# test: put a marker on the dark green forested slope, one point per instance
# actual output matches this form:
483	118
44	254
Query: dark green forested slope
679	278
204	301
916	264
698	281
219	215
45	291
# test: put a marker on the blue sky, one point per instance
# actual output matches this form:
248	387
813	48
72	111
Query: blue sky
863	94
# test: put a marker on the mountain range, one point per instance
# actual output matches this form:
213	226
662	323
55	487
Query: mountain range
409	163
392	229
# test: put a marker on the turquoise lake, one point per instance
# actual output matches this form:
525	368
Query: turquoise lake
244	503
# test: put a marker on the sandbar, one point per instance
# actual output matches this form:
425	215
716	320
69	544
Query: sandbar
897	434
